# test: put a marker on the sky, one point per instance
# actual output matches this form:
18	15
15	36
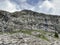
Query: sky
41	6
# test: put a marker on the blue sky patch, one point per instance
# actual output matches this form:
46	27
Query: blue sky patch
32	2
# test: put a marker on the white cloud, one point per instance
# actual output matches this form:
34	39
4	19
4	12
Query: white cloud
7	5
57	6
52	7
23	5
47	7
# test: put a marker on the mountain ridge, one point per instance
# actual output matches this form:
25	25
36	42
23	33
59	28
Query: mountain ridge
28	11
27	19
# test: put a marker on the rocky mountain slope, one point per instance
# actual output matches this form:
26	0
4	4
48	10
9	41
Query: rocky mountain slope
29	28
27	19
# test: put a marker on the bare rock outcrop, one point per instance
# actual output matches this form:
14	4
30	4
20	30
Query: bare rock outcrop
27	19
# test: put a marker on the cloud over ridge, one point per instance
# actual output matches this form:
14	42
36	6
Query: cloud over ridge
44	6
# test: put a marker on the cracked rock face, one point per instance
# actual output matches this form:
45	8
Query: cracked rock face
27	19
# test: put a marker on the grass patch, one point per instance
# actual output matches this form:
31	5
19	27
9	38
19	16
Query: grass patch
30	33
42	37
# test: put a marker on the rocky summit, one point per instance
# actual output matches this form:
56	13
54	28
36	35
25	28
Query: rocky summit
27	19
27	27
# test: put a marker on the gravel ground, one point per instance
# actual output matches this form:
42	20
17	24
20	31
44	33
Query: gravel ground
25	39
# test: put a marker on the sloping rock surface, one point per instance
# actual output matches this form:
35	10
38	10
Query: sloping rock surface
25	39
27	19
